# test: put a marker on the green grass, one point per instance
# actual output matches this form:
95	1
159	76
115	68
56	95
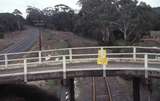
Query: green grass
52	83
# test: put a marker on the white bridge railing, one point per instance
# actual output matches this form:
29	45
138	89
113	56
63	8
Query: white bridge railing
135	54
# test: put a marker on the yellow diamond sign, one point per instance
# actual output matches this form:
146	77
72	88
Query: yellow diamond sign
102	57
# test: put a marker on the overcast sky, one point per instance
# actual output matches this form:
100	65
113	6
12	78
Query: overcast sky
10	5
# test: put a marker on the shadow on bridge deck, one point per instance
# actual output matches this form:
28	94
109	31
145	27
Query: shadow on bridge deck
46	72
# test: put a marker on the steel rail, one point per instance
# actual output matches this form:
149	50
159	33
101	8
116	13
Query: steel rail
108	89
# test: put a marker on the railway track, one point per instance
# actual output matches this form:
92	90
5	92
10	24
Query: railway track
101	89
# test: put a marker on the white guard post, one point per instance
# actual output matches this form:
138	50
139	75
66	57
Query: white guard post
25	70
6	60
146	65
40	57
70	54
104	70
134	53
64	67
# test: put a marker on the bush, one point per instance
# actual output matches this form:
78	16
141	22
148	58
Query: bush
1	35
120	43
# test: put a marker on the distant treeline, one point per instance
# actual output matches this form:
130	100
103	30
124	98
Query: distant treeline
11	22
113	22
157	10
60	17
108	21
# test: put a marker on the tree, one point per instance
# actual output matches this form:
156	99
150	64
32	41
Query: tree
17	12
101	14
63	17
34	15
48	11
157	24
8	22
59	17
127	19
108	18
20	19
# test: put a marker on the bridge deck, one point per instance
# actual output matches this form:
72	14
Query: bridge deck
44	71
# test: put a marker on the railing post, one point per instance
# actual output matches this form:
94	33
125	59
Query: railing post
104	66
146	65
40	57
64	67
25	70
104	70
6	60
101	48
70	55
134	53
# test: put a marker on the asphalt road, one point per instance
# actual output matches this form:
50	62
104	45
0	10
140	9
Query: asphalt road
24	44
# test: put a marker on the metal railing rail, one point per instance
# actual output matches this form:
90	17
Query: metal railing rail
6	57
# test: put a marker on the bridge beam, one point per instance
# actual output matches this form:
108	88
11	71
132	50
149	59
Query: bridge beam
136	89
67	92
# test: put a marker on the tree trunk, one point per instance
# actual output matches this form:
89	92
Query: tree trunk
103	35
125	34
108	34
19	26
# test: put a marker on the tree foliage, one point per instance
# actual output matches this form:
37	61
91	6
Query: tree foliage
17	12
60	17
34	14
105	20
108	20
10	22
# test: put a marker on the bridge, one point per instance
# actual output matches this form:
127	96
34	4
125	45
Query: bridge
77	62
143	62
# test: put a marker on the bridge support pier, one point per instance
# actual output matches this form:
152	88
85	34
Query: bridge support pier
141	90
146	90
67	92
136	89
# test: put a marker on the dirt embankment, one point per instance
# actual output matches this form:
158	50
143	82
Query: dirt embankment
9	39
57	39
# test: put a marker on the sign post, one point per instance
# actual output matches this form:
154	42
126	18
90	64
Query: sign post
102	60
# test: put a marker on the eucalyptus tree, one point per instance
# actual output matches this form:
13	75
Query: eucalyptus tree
33	15
99	15
104	17
8	22
127	17
17	12
59	17
157	24
63	17
49	13
20	19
